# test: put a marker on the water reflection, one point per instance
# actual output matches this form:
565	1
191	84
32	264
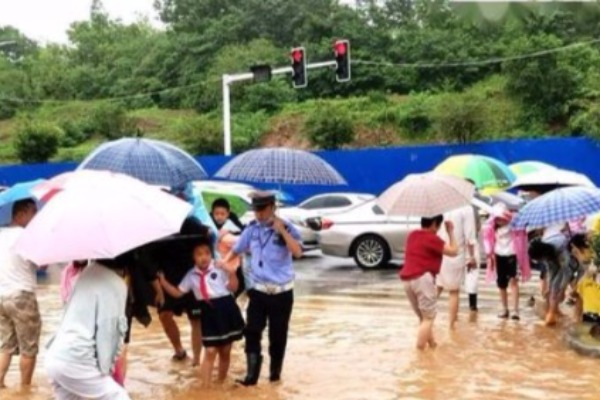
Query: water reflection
352	341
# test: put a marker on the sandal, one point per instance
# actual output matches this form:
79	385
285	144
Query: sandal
503	315
179	356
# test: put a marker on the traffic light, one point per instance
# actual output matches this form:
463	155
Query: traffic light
341	49
299	78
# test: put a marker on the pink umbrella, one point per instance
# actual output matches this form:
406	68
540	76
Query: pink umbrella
426	195
96	214
91	179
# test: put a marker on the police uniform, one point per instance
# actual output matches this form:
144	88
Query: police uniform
270	292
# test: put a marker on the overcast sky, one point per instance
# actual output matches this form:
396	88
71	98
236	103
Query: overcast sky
48	20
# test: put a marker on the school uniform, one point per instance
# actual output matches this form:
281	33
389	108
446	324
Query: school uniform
270	292
220	316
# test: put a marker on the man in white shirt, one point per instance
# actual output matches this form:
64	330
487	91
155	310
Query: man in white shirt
452	273
20	321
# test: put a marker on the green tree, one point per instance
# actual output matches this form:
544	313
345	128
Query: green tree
37	143
545	85
459	117
330	128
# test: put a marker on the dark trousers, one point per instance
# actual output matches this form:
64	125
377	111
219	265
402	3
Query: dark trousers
277	310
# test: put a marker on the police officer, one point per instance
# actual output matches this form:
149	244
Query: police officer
272	243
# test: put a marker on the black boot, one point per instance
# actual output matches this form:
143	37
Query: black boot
276	367
254	362
473	302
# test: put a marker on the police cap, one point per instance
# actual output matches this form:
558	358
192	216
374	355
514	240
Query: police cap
262	199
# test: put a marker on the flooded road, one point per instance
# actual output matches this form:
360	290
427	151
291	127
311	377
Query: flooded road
352	337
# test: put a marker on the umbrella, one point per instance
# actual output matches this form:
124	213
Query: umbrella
542	181
281	165
20	191
488	173
152	161
426	195
512	201
558	206
528	167
102	216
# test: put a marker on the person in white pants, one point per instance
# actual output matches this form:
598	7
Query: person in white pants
83	353
472	276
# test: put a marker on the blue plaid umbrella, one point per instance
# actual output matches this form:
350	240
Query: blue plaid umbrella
560	205
281	165
20	191
151	161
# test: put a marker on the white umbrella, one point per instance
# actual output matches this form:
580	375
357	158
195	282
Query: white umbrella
426	195
555	178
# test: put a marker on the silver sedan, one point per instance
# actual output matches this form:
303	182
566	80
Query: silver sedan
367	234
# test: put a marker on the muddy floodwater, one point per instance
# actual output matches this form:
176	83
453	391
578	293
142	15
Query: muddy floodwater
352	337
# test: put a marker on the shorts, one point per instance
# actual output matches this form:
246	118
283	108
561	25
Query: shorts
422	294
506	269
20	324
187	304
451	277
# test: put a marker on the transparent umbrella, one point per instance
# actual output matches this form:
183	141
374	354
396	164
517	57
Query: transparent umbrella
151	161
281	166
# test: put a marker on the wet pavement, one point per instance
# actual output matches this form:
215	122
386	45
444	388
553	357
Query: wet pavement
352	337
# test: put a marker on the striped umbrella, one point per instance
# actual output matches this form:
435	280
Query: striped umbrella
488	173
528	167
426	195
558	206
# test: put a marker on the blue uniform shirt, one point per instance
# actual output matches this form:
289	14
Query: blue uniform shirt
271	260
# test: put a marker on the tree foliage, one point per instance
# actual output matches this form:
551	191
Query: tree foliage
330	128
414	48
37	143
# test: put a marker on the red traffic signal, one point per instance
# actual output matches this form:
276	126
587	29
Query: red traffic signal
299	78
341	49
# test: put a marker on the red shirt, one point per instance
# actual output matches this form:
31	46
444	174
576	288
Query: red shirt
424	252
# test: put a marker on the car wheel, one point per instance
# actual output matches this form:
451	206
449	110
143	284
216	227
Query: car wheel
370	251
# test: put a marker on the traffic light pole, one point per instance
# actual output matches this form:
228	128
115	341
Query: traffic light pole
248	76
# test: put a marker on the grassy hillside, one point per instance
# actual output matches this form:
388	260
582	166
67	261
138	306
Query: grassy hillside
482	112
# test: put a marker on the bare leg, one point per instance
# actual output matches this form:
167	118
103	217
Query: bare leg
453	301
514	286
210	353
224	361
504	299
544	287
196	341
124	359
171	330
27	368
425	333
5	359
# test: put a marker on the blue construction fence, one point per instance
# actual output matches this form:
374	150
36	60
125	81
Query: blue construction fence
373	170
